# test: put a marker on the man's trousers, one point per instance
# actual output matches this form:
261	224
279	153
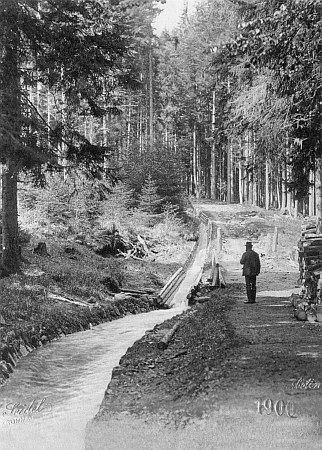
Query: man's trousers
251	287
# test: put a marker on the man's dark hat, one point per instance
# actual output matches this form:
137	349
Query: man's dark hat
248	244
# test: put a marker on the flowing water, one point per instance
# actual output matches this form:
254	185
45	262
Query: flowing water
57	389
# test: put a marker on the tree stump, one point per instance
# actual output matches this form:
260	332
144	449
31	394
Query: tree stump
41	249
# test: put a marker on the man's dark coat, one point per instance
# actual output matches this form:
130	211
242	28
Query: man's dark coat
251	262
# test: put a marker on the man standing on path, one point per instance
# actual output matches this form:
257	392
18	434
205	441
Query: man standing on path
251	268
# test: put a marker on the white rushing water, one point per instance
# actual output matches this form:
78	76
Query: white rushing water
57	389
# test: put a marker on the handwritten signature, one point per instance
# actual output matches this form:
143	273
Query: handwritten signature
16	412
303	383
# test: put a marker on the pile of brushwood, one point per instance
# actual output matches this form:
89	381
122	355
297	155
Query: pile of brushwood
109	242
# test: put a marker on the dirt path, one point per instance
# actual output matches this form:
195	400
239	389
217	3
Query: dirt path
253	396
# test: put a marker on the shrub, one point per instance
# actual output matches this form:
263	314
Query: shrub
70	205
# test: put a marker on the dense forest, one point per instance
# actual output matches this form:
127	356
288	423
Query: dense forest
98	113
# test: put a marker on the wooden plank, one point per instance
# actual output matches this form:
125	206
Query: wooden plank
311	244
312	266
311	257
317	251
172	280
311	240
172	287
174	276
138	291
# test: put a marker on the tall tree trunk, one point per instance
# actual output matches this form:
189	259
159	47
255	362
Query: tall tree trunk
49	114
10	246
195	162
233	179
220	174
284	188
151	130
278	188
247	160
63	148
288	178
128	133
251	187
140	130
10	109
266	185
255	200
318	194
207	170
311	195
240	182
213	149
229	172
296	207
289	193
271	190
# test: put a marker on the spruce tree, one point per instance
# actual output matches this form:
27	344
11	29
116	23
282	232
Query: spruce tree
149	199
117	208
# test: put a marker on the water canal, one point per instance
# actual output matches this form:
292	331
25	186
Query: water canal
55	390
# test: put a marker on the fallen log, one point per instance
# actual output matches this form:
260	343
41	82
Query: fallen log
203	299
122	296
137	258
163	344
183	352
64	299
138	291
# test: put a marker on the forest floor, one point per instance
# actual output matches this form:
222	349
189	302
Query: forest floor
234	375
72	288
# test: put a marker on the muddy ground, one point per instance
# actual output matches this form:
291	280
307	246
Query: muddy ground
234	375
